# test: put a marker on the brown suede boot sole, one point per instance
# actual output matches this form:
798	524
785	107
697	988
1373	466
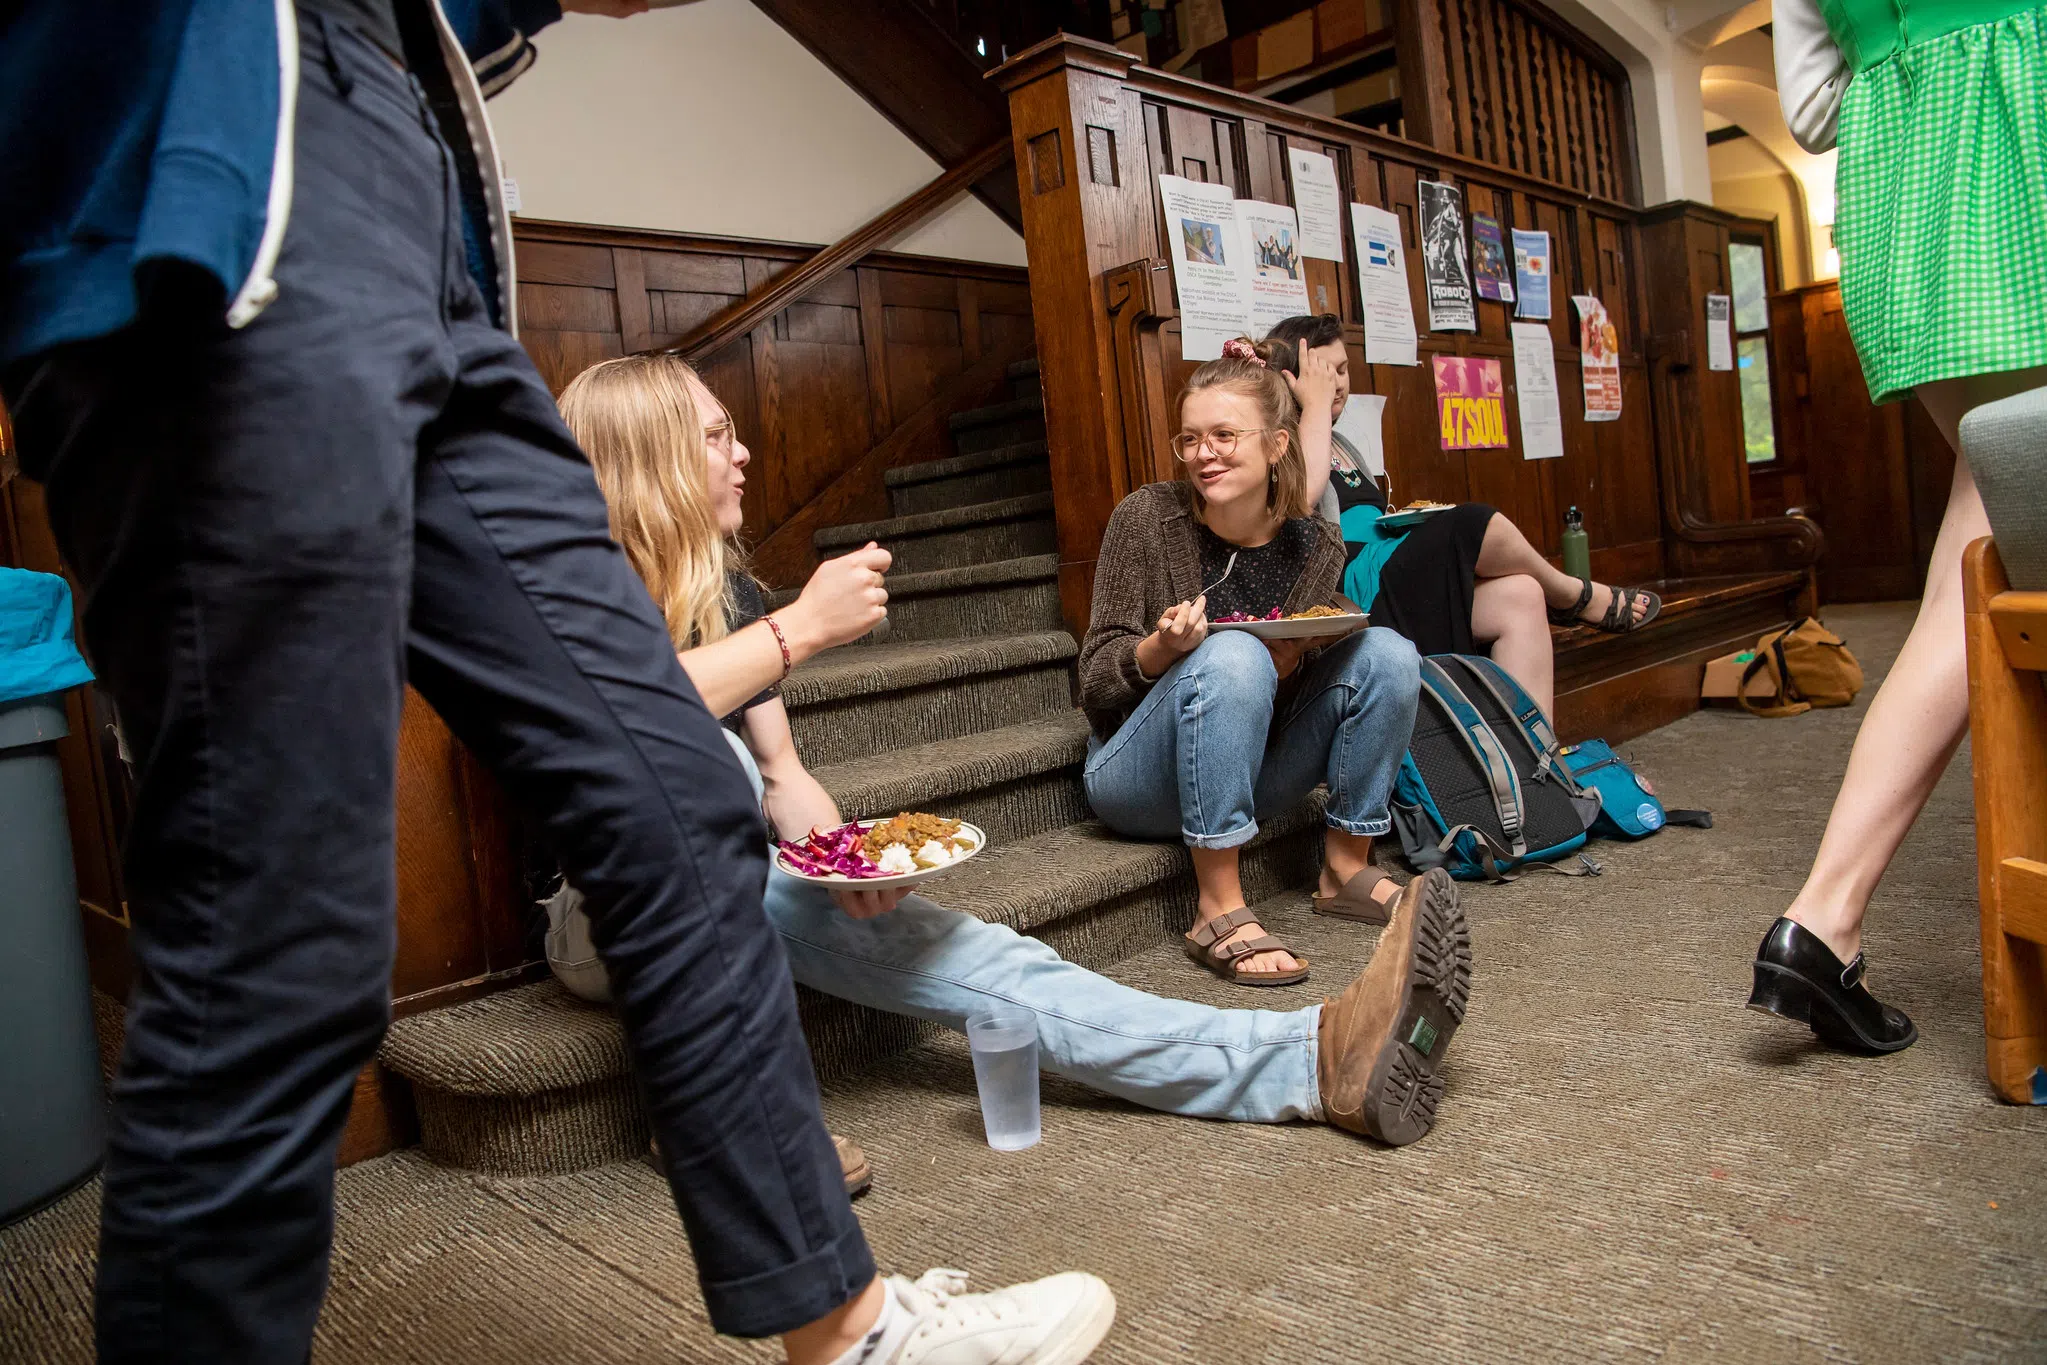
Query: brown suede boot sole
1383	1040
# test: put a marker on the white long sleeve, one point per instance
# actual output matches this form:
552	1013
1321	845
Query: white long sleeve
1812	75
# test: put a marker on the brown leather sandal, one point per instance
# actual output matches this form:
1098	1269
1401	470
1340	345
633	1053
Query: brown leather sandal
1204	945
1355	901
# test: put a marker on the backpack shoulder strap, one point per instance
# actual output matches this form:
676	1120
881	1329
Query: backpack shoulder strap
1515	701
1485	750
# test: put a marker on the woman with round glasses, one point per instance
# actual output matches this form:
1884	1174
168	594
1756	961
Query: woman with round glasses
1199	735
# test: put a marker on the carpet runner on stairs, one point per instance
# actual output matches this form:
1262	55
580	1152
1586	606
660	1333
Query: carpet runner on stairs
963	706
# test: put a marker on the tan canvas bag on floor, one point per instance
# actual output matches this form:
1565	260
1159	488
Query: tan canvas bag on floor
1807	665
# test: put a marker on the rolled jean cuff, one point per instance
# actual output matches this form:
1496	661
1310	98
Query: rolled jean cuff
1313	1112
1363	829
1236	838
801	1292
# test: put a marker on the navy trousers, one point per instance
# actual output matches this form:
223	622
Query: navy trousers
274	528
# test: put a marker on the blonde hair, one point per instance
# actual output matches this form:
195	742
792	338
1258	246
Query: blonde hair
637	420
1286	494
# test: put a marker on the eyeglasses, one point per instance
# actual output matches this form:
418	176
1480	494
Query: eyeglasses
1223	441
719	437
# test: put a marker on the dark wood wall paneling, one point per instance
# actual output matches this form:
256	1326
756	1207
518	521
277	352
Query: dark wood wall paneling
815	388
1661	497
1507	82
1875	478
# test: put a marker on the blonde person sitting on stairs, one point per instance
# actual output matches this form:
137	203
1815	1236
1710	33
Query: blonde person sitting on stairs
1367	1060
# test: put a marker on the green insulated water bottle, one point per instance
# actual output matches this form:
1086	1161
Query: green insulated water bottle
1577	549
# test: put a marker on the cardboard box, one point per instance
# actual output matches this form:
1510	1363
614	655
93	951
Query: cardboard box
1723	679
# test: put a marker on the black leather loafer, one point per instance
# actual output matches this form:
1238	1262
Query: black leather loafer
1799	978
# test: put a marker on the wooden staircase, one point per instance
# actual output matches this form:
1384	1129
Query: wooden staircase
963	706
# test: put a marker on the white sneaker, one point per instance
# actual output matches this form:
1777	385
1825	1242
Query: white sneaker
1058	1320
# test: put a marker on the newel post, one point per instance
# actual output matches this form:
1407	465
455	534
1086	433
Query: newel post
1086	190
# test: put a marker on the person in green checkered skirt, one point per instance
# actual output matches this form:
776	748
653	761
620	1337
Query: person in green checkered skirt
1941	222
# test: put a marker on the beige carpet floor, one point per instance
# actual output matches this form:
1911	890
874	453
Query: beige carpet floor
1628	1166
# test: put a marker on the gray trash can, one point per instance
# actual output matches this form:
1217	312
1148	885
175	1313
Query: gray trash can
52	1106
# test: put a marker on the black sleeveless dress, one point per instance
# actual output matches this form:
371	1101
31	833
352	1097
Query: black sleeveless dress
1425	586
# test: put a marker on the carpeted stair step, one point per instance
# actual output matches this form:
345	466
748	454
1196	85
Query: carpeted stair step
1015	782
963	480
999	424
862	700
1023	379
954	537
1004	597
1098	898
532	1081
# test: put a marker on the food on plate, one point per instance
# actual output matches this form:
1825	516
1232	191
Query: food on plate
917	832
1276	614
907	843
1424	505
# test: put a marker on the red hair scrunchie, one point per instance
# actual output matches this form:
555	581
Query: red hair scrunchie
1236	348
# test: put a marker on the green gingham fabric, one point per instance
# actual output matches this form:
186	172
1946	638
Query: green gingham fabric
1941	207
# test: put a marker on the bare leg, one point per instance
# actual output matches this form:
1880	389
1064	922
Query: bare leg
1506	613
836	1333
1344	855
1505	551
1218	892
1918	716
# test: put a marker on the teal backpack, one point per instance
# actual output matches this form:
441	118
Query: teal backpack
1486	792
1479	792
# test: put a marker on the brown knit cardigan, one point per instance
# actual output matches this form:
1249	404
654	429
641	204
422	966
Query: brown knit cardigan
1151	562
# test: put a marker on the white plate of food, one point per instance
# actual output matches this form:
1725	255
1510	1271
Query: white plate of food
873	855
1414	514
1315	621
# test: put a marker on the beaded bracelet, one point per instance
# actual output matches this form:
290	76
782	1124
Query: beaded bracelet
787	662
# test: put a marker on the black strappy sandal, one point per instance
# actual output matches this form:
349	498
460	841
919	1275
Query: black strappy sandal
1619	618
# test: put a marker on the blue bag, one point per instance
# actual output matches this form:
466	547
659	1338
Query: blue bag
1480	793
1628	809
37	656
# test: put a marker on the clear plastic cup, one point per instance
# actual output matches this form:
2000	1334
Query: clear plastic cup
1005	1046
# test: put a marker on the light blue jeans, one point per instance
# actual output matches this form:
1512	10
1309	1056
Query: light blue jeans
920	959
1200	759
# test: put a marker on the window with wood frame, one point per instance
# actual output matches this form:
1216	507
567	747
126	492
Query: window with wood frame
1748	269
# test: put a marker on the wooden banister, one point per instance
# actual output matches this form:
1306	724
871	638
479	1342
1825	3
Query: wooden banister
790	287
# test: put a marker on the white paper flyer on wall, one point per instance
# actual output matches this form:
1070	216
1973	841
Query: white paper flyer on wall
1319	202
1272	255
1209	271
1382	287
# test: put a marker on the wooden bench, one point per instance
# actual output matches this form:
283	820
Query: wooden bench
2007	634
1615	687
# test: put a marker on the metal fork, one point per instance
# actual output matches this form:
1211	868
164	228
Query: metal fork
1229	565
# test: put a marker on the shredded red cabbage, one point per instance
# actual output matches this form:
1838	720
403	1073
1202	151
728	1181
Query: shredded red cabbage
830	852
1276	614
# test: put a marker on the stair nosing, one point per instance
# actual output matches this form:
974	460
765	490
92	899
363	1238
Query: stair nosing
991	573
994	414
1018	508
973	462
864	670
1142	863
925	772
